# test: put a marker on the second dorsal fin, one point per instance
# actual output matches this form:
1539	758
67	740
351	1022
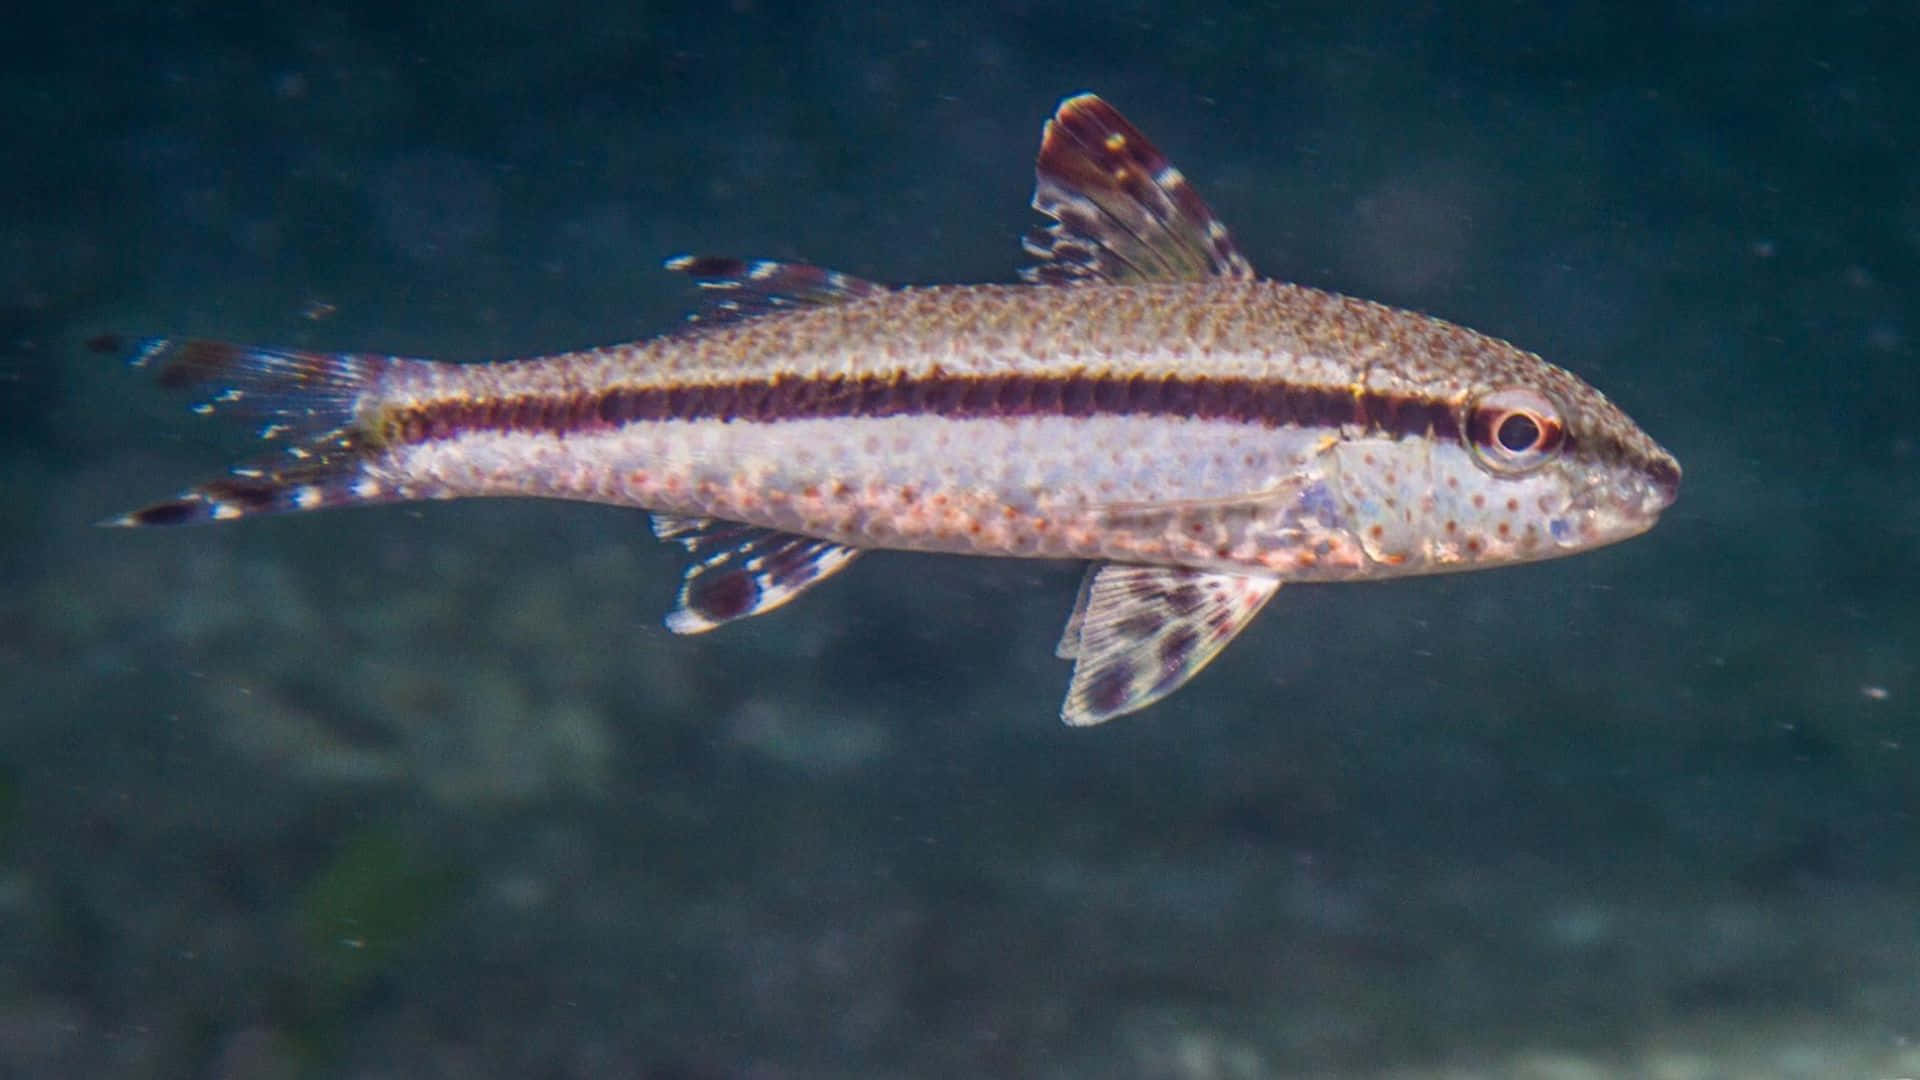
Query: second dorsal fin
1121	211
744	288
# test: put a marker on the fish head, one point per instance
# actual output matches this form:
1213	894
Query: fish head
1550	467
1524	461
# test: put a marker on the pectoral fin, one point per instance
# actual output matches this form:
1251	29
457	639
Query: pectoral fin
1140	632
1069	647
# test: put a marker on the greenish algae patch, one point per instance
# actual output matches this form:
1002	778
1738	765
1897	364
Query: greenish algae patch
377	899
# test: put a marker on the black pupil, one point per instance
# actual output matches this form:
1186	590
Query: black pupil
1517	432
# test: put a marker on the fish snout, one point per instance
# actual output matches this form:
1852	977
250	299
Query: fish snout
1663	479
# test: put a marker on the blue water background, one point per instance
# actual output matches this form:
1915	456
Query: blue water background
429	791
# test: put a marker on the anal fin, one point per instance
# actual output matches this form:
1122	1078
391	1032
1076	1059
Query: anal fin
743	570
1143	631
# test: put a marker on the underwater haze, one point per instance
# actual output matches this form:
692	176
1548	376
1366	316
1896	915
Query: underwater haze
428	790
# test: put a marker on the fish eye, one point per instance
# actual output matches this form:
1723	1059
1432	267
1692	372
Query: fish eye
1517	433
1514	429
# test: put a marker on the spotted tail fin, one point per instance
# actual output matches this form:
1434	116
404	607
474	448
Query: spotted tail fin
316	404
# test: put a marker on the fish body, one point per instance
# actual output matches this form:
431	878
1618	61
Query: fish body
1143	402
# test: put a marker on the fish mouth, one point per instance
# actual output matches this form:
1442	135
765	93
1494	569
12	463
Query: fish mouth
1626	500
1663	474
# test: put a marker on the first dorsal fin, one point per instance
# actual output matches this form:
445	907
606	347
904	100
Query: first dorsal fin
744	288
1122	212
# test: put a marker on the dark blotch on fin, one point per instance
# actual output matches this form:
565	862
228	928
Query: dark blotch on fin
1109	689
721	597
744	288
1140	632
175	512
742	570
1121	211
321	483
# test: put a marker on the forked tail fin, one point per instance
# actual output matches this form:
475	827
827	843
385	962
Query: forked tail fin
321	406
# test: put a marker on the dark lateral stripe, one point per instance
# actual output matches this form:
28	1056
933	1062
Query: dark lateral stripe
1250	401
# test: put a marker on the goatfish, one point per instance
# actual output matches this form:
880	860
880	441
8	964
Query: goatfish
1142	401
